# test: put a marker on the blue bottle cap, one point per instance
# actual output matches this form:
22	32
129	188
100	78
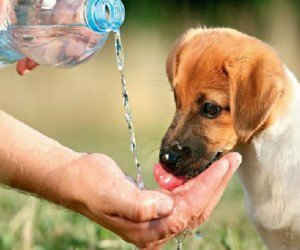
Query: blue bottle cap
104	16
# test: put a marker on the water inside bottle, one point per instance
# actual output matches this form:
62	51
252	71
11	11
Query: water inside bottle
56	45
128	114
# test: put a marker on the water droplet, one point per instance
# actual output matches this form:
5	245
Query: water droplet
198	235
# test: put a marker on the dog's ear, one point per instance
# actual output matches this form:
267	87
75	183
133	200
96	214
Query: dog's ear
255	87
173	60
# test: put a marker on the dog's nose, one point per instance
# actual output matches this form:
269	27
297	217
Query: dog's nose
172	155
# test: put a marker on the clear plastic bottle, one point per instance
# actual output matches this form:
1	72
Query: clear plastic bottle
60	33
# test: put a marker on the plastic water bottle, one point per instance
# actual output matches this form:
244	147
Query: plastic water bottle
60	33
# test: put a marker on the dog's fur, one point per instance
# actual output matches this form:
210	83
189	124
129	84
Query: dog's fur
260	117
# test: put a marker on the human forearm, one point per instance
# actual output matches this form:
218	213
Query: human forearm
31	161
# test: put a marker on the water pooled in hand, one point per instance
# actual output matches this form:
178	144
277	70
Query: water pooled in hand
128	116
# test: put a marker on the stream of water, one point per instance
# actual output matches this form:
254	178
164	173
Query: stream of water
133	146
128	114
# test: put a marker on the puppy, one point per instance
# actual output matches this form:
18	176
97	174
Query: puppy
232	92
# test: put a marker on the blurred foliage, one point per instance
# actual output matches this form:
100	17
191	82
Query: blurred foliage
172	16
171	10
59	229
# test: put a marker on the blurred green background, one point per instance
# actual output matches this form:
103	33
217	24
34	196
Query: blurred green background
82	109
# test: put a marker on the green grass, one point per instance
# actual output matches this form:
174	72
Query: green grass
56	228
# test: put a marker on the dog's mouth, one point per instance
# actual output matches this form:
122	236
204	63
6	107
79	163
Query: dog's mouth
194	172
170	181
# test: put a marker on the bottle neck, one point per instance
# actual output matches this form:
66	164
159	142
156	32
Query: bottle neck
104	16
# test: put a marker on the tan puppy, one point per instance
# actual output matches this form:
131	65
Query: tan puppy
232	92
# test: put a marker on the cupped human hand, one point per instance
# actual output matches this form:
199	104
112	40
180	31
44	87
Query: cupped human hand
196	200
99	190
147	219
24	66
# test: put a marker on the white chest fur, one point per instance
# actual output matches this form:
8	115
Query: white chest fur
271	176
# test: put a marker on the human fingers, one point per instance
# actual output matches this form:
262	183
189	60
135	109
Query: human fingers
115	195
203	186
145	235
140	206
25	65
234	160
21	67
153	234
192	199
158	244
31	64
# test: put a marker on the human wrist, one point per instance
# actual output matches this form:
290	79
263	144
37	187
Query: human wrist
67	185
48	176
37	164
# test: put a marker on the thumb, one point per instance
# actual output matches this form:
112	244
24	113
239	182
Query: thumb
146	205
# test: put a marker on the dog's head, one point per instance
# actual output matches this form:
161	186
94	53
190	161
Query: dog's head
226	87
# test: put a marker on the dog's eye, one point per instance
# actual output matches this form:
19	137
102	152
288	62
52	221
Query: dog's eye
211	110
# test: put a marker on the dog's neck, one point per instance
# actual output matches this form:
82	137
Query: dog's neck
271	162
